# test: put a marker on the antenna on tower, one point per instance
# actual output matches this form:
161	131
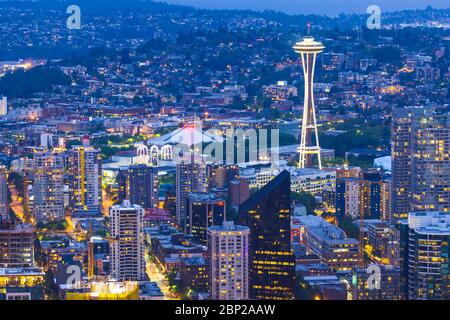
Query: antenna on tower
308	27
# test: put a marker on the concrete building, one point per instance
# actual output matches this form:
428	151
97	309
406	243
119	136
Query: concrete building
4	203
420	161
16	245
386	286
48	185
190	177
229	261
127	249
139	184
329	242
424	250
85	180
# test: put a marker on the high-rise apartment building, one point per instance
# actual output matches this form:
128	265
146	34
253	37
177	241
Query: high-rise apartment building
366	196
190	177
425	255
139	184
204	210
228	261
85	179
48	183
272	262
127	247
4	203
420	161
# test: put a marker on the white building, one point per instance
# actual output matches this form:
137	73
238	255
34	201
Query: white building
228	245
127	248
48	170
4	207
427	243
3	106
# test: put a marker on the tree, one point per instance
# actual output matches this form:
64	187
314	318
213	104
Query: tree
347	224
306	199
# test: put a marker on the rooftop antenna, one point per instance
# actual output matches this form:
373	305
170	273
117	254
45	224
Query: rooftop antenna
308	26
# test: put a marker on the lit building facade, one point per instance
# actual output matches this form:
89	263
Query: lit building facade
272	263
190	177
229	261
16	245
85	179
4	203
139	184
48	185
329	242
204	210
425	255
387	286
127	248
420	161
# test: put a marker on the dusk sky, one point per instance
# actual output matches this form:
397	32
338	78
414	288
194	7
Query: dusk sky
329	7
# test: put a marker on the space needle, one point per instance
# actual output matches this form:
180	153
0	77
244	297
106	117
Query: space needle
308	49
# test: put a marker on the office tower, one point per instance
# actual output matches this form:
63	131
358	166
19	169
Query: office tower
127	247
329	243
204	210
308	49
139	184
228	261
48	170
272	264
420	161
425	249
4	203
387	285
85	179
16	245
3	106
190	177
239	191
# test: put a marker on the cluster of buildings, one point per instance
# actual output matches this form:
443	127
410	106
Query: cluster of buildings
106	191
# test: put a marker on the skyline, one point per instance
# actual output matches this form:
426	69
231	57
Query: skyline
320	7
160	152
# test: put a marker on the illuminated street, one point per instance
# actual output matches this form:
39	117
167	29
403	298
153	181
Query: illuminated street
157	276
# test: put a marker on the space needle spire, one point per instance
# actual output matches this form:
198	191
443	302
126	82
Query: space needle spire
308	50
